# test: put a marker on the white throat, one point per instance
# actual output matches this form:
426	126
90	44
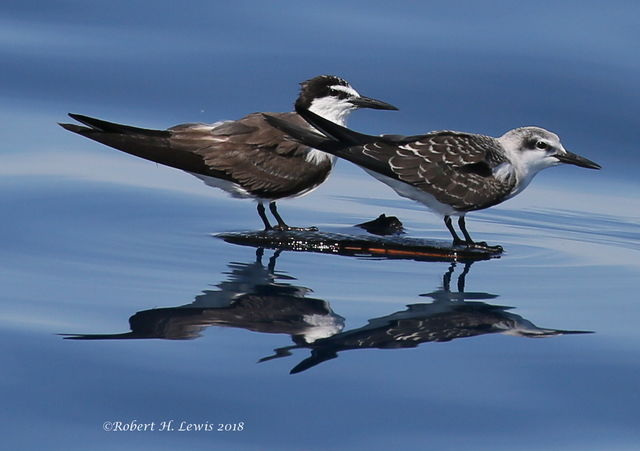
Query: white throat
335	110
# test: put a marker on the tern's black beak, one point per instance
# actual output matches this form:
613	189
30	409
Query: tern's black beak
368	102
572	158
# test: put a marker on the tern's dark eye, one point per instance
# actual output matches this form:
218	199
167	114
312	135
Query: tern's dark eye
542	145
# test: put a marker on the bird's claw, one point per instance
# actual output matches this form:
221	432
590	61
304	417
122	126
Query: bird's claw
482	245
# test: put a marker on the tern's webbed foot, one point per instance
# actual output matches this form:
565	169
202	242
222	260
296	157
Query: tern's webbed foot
485	247
480	245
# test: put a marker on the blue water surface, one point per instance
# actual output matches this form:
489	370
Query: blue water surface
384	354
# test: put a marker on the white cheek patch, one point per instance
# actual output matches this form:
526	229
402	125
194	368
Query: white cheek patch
332	108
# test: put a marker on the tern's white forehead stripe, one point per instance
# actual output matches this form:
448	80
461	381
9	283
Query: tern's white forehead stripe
348	89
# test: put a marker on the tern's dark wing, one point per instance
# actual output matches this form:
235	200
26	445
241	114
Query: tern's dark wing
258	157
248	151
456	168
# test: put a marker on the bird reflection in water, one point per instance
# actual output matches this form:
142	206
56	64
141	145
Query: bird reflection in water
252	298
451	315
255	297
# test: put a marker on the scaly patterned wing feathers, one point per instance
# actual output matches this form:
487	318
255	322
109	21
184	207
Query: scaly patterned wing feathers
456	168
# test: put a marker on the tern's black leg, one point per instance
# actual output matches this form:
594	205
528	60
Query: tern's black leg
263	216
463	228
274	211
282	226
456	238
471	243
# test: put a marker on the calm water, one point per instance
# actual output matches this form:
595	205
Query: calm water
171	323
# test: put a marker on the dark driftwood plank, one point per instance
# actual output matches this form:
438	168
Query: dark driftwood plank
358	245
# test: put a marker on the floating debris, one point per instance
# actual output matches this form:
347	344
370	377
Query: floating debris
394	247
383	225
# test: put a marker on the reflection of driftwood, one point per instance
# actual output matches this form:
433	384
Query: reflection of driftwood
359	245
